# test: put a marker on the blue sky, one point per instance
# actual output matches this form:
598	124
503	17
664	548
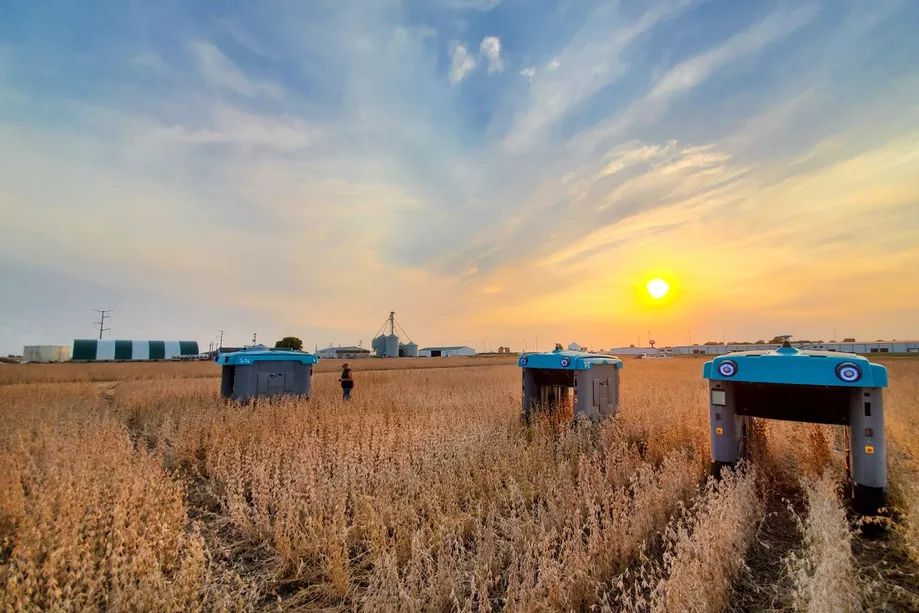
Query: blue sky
485	168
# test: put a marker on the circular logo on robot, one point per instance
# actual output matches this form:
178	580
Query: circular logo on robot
565	362
848	372
523	361
727	368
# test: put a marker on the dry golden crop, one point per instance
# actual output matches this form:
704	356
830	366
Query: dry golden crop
134	486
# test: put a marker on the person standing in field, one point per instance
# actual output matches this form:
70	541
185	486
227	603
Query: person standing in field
347	382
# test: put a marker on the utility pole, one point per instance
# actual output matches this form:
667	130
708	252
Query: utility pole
254	338
103	315
220	343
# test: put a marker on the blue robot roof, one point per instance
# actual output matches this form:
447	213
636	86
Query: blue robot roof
244	357
793	366
567	360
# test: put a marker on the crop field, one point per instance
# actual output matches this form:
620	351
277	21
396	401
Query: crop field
135	487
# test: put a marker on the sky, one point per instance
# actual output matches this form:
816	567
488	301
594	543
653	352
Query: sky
496	173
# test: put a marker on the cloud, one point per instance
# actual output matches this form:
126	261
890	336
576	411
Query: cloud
230	126
220	72
149	61
688	74
461	63
593	61
491	49
472	5
528	72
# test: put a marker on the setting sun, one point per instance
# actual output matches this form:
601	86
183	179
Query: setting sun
657	288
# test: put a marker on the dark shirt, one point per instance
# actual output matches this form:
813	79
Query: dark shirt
346	380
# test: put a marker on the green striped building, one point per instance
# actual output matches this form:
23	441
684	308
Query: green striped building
90	350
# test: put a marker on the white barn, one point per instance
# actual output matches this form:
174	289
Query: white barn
446	352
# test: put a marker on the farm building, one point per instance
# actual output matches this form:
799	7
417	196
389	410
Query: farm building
858	348
45	353
446	352
94	350
343	353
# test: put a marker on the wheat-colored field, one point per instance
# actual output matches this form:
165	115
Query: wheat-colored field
134	486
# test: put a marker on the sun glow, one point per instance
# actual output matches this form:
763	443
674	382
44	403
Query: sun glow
657	288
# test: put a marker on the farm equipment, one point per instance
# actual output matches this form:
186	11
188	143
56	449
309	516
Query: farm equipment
257	372
572	383
788	384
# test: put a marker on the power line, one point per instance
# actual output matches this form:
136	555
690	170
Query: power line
103	315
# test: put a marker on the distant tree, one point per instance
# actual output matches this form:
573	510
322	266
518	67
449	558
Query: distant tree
760	342
289	342
631	345
848	340
711	343
781	338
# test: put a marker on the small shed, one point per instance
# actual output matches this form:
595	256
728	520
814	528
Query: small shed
572	382
254	373
824	387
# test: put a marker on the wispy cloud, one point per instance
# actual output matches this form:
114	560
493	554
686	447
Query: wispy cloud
592	61
230	126
221	73
690	73
149	61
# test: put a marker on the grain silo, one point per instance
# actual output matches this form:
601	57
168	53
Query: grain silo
392	346
387	345
378	345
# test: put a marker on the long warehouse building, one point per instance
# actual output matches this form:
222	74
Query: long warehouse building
89	350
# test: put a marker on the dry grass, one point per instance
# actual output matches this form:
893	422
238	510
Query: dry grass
703	549
824	572
902	419
135	486
139	371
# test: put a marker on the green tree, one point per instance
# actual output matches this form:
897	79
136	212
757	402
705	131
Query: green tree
289	342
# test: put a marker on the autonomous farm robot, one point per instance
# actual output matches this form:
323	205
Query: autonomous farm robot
821	387
259	372
572	382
